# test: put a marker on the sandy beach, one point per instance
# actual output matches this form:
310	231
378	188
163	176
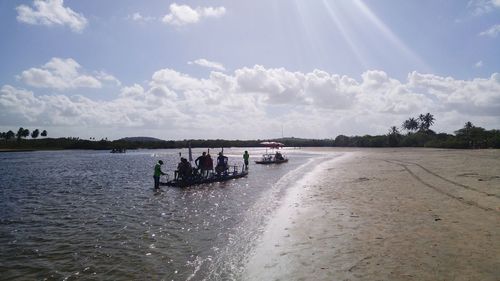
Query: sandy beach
388	214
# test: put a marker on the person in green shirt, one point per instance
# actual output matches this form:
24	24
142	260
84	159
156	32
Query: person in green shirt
246	156
157	174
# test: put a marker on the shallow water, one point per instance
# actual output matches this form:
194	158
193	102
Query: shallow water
94	215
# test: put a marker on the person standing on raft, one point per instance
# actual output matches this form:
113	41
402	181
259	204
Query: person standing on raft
209	163
184	170
221	164
201	164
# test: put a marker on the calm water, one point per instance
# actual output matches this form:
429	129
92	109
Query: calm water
93	215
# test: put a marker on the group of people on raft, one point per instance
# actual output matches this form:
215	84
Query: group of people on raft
204	165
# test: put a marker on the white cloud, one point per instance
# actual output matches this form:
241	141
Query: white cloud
475	97
138	17
492	31
183	14
480	7
271	85
254	102
479	64
134	91
63	74
391	96
208	64
178	81
104	76
18	105
51	12
280	86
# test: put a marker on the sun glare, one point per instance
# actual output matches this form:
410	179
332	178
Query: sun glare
344	31
389	35
365	34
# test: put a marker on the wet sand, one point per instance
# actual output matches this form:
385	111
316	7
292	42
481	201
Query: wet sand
388	214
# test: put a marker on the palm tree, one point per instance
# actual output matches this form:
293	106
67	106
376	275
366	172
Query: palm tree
9	135
35	133
394	136
426	121
406	125
422	123
393	130
429	120
411	124
20	133
468	126
465	133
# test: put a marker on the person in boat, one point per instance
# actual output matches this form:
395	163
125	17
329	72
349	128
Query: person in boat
221	164
246	156
158	172
200	163
184	169
267	157
209	163
278	156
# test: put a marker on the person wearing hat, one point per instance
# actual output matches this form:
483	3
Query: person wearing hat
157	174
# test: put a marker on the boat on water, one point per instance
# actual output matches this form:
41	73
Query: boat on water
268	158
197	179
118	150
273	157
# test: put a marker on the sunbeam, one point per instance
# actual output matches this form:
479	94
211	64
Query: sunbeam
342	28
388	34
369	39
311	41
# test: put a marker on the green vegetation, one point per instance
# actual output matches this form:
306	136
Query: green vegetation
22	133
35	134
418	134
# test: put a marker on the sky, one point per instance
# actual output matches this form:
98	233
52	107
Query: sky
247	69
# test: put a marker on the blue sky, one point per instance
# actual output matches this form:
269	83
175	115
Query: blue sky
244	69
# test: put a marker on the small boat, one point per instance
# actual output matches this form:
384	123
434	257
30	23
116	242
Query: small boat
272	159
198	179
118	150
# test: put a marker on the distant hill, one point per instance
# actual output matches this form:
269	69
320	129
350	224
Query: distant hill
140	139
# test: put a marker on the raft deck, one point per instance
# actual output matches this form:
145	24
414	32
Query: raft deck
201	180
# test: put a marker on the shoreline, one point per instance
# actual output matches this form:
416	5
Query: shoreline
263	257
16	150
389	214
317	149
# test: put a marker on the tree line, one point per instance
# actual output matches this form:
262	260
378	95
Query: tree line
22	133
414	132
419	134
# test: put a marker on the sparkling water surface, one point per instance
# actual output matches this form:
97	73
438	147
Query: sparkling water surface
93	215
